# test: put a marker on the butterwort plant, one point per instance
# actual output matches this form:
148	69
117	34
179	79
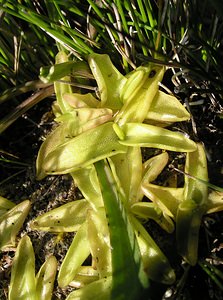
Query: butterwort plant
98	142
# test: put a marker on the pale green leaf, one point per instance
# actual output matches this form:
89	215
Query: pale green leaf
136	109
77	253
5	205
100	289
52	73
215	202
144	135
196	167
166	198
83	150
45	279
193	206
155	263
65	218
57	137
11	222
153	167
149	210
22	283
81	100
188	223
127	165
85	276
110	81
99	241
87	181
60	87
167	108
81	116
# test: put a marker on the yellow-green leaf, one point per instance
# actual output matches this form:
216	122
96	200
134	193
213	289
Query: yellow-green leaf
136	108
66	218
22	283
193	206
78	251
144	135
83	150
167	108
99	241
5	205
155	263
11	222
45	279
100	289
110	81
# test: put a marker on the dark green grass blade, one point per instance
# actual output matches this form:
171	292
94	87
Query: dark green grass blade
129	280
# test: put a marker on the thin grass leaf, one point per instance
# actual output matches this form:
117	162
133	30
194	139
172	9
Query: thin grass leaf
213	272
23	88
9	119
126	262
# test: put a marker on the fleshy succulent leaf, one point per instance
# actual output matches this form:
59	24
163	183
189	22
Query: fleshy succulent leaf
127	165
215	202
45	279
144	135
153	167
149	210
50	74
76	255
92	291
23	282
87	181
78	100
85	275
193	206
155	263
66	218
99	241
83	150
166	198
137	104
60	87
167	108
11	222
5	205
110	81
57	137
